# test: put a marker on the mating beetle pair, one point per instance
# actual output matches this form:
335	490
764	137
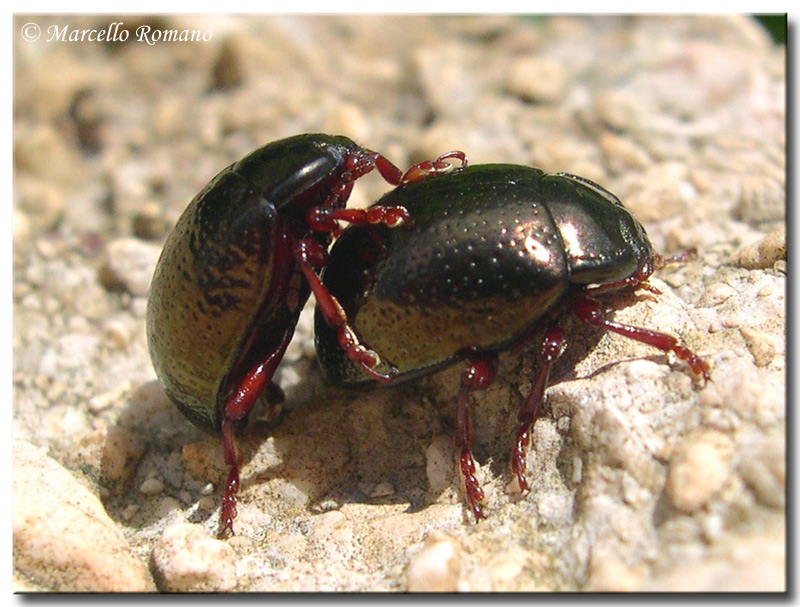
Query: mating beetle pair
454	263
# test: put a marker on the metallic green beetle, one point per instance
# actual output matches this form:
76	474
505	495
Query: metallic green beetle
494	253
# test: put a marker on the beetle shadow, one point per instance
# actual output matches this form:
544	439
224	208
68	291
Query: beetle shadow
344	447
361	447
154	433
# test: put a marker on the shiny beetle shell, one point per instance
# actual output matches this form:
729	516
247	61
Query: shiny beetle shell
226	289
493	250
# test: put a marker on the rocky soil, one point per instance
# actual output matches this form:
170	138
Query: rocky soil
642	478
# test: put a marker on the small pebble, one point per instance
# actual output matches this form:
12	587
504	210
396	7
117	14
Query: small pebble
761	198
151	486
129	264
149	223
719	292
130	511
762	254
436	567
207	504
699	469
227	72
767	290
761	345
383	489
440	456
186	559
536	79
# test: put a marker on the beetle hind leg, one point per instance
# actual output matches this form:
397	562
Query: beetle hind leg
256	382
476	376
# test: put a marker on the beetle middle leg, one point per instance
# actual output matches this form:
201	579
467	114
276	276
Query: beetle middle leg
553	347
310	255
476	376
324	218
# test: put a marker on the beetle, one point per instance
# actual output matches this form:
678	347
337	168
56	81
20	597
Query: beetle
239	265
494	254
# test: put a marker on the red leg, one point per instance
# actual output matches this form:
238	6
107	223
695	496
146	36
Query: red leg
426	169
590	312
310	255
394	176
324	218
387	169
257	381
553	347
477	376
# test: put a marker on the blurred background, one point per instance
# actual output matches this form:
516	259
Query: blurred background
682	117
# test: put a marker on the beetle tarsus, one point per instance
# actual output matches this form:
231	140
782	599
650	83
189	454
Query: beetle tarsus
428	168
472	487
325	219
228	510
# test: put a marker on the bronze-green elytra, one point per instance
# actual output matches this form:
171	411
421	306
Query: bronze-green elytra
218	296
492	249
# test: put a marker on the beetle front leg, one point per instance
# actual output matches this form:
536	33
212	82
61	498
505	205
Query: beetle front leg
429	168
553	347
419	171
590	312
257	381
324	217
476	376
310	255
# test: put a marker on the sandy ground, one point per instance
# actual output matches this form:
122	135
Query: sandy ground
642	478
